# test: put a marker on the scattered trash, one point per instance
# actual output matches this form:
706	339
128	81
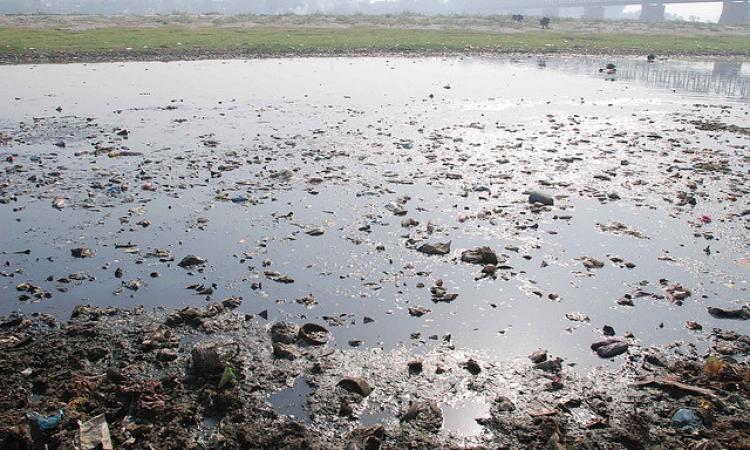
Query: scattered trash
314	334
229	374
46	422
94	434
685	419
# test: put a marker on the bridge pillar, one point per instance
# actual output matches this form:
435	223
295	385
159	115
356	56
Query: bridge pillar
735	12
551	11
652	11
593	12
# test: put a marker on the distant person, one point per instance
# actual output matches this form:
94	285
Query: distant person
544	23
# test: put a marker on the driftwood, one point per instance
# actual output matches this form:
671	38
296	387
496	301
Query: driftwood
672	384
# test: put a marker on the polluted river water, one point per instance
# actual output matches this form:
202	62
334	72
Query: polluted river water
306	187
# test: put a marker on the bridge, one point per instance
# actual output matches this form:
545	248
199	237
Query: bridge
733	11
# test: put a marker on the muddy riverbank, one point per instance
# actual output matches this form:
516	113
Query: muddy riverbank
149	375
176	54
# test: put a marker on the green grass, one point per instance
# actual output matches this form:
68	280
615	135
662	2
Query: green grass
280	40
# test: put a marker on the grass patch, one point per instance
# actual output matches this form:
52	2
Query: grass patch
271	39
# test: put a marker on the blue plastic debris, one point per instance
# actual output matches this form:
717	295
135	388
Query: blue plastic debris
685	419
46	422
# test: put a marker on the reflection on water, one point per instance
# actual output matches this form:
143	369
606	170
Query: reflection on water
722	78
461	418
292	401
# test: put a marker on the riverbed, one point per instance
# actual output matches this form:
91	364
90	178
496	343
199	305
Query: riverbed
308	184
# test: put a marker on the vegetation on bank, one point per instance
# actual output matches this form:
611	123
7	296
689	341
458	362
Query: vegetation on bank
284	40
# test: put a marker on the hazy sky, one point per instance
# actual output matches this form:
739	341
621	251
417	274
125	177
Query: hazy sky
706	12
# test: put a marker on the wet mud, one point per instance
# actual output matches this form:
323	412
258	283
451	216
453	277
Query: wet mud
148	374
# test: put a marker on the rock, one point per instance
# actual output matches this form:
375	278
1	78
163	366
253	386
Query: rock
115	376
425	415
577	317
418	311
83	252
538	197
676	293
538	356
314	334
591	263
193	316
317	231
285	333
415	367
191	261
286	351
231	302
396	209
205	360
355	384
472	367
278	277
481	255
609	348
654	360
96	353
550	365
407	223
489	269
440	294
742	313
59	203
692	325
608	330
439	248
685	419
307	300
503	404
166	354
133	285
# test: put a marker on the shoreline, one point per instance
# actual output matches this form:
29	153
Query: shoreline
124	56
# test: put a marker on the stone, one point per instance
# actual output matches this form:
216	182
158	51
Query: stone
438	248
538	356
355	384
538	197
191	261
480	255
83	252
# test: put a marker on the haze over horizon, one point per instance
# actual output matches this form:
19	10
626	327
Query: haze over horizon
704	12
